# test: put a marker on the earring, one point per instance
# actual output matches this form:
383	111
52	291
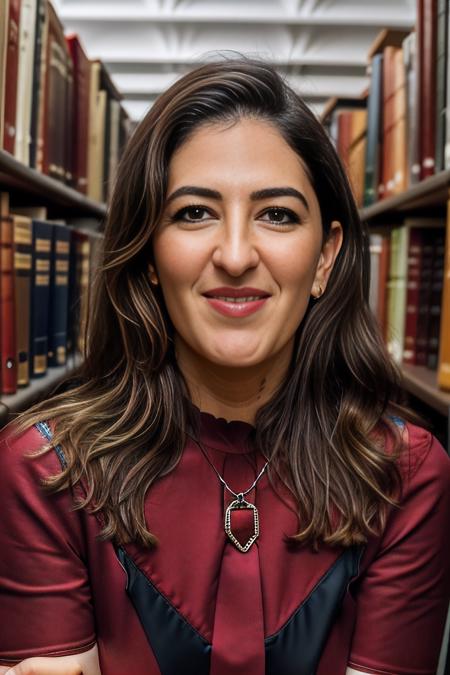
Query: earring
319	293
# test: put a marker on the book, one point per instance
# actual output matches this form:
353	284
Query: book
39	296
434	321
40	36
12	64
441	83
409	49
4	25
59	295
426	86
78	131
8	362
374	131
22	281
396	300
28	16
443	370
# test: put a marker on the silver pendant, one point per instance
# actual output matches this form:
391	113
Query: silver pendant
236	505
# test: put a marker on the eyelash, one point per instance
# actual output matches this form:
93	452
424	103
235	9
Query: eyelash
293	217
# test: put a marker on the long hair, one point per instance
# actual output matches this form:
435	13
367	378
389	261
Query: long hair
122	416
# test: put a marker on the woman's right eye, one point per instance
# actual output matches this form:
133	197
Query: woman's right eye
191	214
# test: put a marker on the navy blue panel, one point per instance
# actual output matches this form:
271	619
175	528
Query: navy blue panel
177	646
296	648
46	432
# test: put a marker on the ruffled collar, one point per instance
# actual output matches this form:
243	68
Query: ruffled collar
234	436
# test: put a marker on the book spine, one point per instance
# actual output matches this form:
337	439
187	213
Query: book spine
8	369
412	295
22	280
374	130
424	297
434	322
12	65
443	374
37	81
42	233
58	304
427	88
25	80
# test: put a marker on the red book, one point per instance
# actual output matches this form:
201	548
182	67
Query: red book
55	106
8	371
12	64
424	297
416	237
426	89
387	165
79	128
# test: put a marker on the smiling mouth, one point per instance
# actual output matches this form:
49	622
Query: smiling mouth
236	303
240	300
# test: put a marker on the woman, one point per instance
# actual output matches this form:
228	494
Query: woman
251	495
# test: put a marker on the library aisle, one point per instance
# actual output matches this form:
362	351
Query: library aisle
77	77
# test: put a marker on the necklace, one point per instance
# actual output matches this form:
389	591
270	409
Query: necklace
239	504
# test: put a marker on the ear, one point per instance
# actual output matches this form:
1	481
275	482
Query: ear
152	274
328	255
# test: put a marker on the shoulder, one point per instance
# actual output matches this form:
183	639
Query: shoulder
423	459
20	453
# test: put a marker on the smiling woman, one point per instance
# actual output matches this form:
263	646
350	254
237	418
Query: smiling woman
250	494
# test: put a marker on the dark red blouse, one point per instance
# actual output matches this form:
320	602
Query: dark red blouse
195	604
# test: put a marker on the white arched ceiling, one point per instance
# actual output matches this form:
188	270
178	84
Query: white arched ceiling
320	45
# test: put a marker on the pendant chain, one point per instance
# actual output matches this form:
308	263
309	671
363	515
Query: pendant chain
239	495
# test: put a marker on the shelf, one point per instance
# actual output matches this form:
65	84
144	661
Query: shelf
26	396
429	193
421	382
30	186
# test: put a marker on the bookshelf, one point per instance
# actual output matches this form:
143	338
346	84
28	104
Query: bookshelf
431	193
27	185
25	397
421	198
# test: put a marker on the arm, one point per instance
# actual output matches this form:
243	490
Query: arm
45	594
402	597
85	663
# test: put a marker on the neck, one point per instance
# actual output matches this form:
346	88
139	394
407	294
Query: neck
231	392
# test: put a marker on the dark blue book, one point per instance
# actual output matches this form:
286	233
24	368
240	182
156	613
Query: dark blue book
58	296
374	131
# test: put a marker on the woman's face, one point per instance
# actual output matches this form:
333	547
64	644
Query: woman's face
239	249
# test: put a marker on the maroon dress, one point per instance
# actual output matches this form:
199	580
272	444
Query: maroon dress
195	604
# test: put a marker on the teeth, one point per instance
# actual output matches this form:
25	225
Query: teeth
237	300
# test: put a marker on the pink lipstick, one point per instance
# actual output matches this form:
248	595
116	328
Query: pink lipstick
236	302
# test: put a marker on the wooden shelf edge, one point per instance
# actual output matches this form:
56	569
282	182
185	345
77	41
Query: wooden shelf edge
411	198
24	398
421	382
34	182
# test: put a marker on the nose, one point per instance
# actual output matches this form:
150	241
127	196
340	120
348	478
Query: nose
235	251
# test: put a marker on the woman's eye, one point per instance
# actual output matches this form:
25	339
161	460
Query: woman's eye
192	214
280	216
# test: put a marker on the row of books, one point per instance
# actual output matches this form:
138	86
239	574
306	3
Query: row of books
46	272
60	113
398	132
410	292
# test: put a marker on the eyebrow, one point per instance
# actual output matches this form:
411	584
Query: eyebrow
266	193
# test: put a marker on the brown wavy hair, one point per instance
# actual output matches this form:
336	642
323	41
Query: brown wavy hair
122	416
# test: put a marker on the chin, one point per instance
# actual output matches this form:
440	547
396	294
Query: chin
235	358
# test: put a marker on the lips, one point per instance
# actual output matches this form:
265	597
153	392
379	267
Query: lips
236	302
232	294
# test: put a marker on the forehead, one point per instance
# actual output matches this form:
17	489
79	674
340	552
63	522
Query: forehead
248	153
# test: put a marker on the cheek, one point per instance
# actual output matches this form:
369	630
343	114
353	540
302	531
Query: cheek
178	263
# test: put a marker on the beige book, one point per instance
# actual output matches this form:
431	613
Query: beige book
28	10
93	131
4	19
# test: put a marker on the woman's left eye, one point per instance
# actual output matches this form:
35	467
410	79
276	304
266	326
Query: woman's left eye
280	216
